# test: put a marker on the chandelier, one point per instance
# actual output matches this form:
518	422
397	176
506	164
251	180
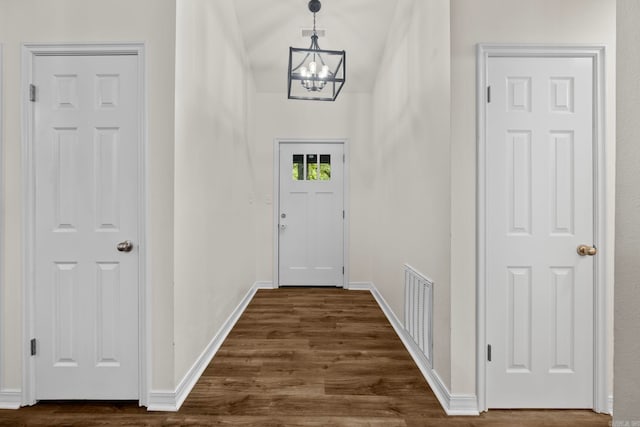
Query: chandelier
315	74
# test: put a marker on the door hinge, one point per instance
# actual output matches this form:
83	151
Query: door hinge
343	270
342	214
33	346
488	94
343	158
32	93
489	352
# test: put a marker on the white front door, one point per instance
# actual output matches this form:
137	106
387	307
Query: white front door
311	214
86	142
540	291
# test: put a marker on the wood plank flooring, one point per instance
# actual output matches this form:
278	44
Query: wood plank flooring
302	357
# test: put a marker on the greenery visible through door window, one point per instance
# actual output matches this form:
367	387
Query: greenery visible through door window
315	171
325	167
312	167
298	167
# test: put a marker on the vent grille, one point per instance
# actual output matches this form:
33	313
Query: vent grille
418	310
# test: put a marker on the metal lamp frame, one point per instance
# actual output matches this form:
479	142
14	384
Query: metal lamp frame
335	79
336	83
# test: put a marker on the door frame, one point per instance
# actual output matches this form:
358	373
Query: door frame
601	265
2	221
276	202
29	52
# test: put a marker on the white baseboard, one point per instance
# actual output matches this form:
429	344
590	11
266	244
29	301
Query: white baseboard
168	400
10	399
360	286
162	400
463	404
610	405
453	404
264	285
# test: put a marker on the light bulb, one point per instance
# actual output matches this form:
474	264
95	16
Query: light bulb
303	71
312	67
325	72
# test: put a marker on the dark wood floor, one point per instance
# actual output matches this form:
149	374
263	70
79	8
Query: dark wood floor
303	357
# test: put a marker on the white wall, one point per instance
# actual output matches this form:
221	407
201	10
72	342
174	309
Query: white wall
505	21
348	117
215	176
149	21
627	293
409	161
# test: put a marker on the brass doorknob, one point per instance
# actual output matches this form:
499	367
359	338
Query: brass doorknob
584	250
125	246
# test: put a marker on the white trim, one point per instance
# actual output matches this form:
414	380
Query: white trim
463	404
162	400
601	321
360	286
453	404
84	49
276	202
167	400
610	405
597	53
346	205
144	297
264	285
29	52
276	212
416	271
2	270
28	364
10	399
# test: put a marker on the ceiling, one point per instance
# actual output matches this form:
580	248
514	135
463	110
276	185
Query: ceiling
359	27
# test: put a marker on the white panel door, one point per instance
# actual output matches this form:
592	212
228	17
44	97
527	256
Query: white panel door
540	209
311	221
86	141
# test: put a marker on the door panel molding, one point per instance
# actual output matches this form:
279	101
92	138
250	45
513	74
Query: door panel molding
276	201
29	53
601	327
